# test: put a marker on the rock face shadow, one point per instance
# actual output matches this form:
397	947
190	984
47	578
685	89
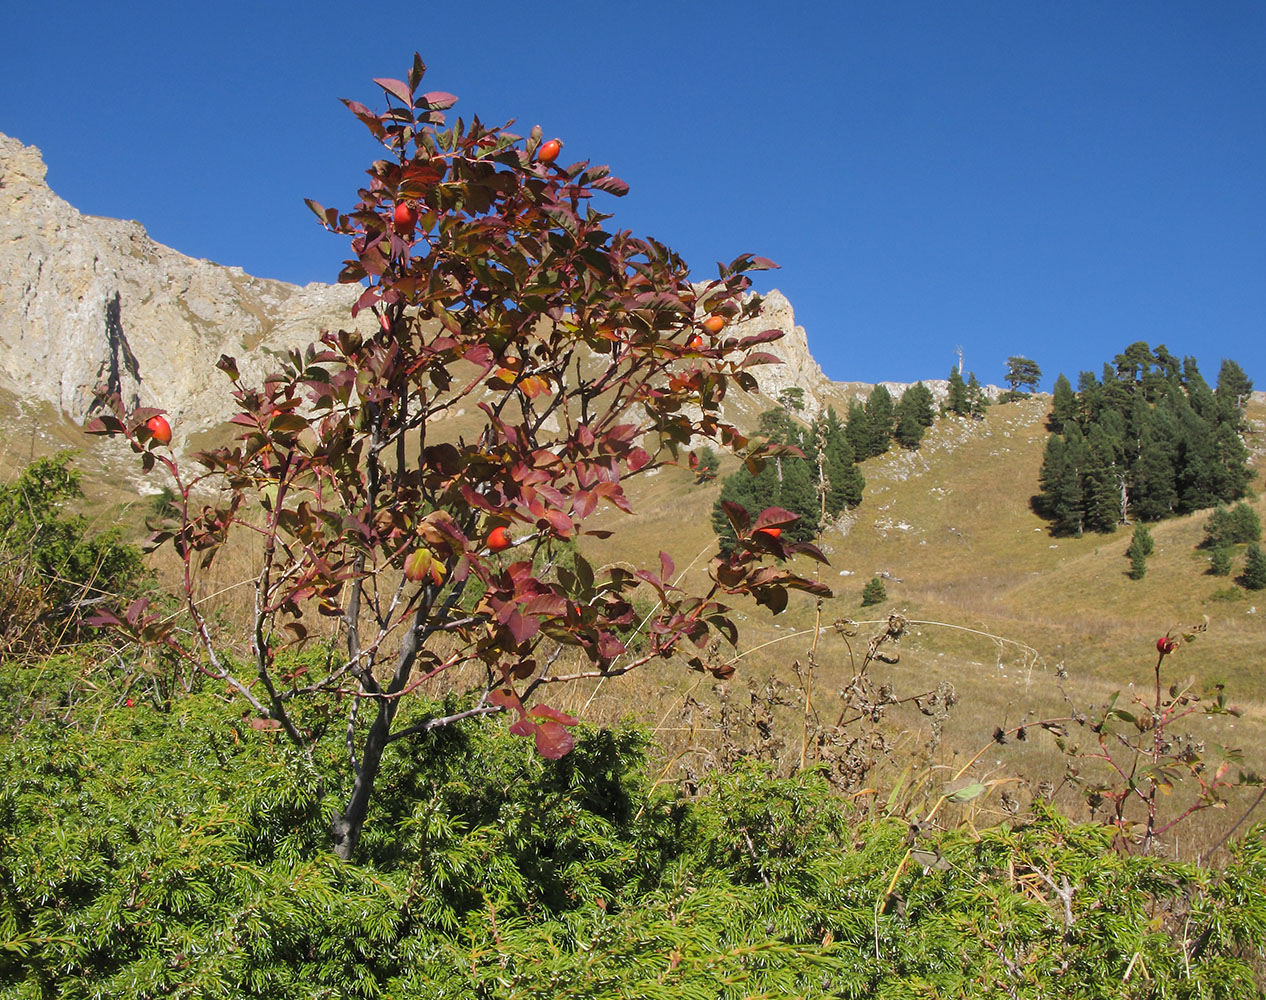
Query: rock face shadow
120	366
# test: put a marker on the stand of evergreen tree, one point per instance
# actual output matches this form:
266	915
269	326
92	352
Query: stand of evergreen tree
965	399
873	426
821	474
915	414
1226	529
1238	525
1147	441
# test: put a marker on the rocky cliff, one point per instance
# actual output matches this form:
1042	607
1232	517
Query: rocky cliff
87	300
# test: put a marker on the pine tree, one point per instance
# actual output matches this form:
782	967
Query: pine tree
798	493
1100	492
880	418
873	592
1141	546
1220	559
791	399
909	432
1022	375
977	401
914	415
921	402
779	426
1245	525
1254	577
1232	392
1133	364
1089	398
1063	406
1060	500
752	493
1217	529
858	431
1168	366
956	402
844	480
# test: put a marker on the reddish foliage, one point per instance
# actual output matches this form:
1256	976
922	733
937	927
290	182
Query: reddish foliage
579	344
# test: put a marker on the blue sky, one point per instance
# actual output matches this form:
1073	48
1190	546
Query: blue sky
1051	180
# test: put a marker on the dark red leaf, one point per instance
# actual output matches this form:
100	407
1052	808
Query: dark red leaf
104	425
506	698
583	504
553	742
398	88
737	516
522	627
609	647
774	598
437	100
545	604
775	517
611	185
559	522
764	337
136	609
545	712
103	619
810	550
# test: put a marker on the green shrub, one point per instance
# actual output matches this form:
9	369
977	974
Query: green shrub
146	854
52	564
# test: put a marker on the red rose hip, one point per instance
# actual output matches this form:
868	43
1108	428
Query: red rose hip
159	429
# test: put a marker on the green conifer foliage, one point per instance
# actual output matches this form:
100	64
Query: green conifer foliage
1141	546
873	592
909	432
957	402
1155	435
1220	559
1022	375
977	401
1063	405
880	419
844	480
1254	577
794	483
1246	526
915	414
858	430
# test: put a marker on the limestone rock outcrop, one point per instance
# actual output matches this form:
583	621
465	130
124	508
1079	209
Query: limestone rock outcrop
87	300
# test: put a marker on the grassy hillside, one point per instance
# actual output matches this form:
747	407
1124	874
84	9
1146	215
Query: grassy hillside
1020	623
